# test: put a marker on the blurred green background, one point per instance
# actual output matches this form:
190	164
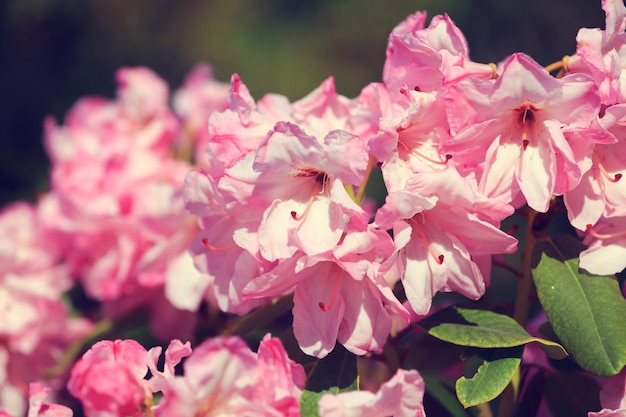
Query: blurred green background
55	51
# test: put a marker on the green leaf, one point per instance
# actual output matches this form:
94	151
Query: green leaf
490	379
484	329
587	312
333	374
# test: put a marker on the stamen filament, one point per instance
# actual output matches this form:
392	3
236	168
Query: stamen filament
602	169
422	235
209	246
423	156
597	235
314	192
326	308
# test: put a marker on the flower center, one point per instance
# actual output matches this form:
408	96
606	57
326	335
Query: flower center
321	178
525	118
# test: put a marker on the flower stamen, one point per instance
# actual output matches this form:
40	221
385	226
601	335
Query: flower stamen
423	156
603	170
326	308
211	247
419	230
316	190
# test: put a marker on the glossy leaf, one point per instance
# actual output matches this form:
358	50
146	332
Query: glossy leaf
484	329
335	373
491	378
587	312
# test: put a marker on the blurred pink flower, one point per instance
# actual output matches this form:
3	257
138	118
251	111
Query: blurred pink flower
223	376
108	379
401	396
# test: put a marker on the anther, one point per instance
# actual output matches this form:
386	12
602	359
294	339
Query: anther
326	308
597	235
512	230
209	246
602	169
524	144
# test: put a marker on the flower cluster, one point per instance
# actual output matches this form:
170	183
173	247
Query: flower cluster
226	203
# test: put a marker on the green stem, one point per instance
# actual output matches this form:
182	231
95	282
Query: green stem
523	303
361	191
261	316
525	285
102	327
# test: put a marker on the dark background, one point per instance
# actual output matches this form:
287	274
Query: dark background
54	51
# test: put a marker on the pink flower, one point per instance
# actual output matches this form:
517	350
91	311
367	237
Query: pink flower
339	295
439	229
36	327
223	377
513	132
108	379
606	254
116	204
600	53
401	396
37	408
602	192
427	59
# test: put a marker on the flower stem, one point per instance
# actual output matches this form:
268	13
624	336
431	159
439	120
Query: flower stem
102	327
520	313
525	285
260	316
361	191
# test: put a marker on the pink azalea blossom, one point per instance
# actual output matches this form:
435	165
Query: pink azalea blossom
108	379
401	396
38	408
438	229
340	295
223	376
512	132
412	130
606	254
601	53
602	192
36	327
116	202
428	58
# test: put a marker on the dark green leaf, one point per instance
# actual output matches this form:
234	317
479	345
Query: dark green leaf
491	378
484	329
335	373
587	312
